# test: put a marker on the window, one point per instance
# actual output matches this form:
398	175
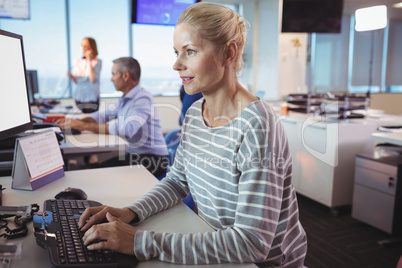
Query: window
328	72
45	45
52	46
373	59
393	82
367	61
153	48
108	24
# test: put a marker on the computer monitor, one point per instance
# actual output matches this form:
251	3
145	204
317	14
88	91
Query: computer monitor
15	110
33	85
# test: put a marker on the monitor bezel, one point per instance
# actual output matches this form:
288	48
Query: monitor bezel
21	128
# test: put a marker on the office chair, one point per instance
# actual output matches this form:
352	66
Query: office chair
260	94
172	140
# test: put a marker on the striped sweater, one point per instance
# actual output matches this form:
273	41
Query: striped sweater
240	177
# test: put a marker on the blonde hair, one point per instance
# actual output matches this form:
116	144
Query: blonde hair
218	24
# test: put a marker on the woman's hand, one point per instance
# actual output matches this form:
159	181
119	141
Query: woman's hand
88	54
72	77
95	214
115	235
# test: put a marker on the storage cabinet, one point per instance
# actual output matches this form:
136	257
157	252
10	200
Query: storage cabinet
377	194
323	154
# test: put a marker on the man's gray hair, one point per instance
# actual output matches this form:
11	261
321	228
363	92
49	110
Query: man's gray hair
129	64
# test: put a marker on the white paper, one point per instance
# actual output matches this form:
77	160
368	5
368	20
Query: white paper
42	153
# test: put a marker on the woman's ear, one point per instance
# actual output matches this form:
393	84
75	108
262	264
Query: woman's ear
231	52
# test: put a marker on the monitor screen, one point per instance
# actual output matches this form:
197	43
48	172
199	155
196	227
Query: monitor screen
15	110
33	85
312	16
159	12
14	9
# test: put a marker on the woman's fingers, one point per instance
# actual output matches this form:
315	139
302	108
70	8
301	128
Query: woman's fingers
91	216
114	235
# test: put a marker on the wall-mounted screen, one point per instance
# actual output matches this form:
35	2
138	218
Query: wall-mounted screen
312	16
159	12
14	9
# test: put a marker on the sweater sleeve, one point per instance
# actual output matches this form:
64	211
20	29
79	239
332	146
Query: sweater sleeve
262	213
166	194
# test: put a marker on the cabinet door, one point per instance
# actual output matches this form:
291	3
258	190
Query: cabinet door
373	207
292	129
317	156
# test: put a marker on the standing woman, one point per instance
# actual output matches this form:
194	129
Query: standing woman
233	157
86	76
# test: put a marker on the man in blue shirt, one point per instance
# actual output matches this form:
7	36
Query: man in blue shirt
134	117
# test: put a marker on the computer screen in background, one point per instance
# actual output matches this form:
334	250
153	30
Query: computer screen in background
159	12
15	111
14	9
33	85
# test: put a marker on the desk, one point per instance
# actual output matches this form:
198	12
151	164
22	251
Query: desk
129	184
389	137
377	193
323	153
88	143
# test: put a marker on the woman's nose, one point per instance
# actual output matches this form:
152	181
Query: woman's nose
177	66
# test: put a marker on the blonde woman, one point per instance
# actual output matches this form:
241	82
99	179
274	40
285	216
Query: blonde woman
233	157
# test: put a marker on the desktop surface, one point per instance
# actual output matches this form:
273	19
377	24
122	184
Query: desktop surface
117	186
88	142
390	137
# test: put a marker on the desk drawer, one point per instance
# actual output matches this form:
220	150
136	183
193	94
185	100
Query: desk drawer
378	181
380	167
373	207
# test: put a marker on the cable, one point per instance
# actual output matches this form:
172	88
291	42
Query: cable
21	223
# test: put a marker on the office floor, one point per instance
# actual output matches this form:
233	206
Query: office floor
342	241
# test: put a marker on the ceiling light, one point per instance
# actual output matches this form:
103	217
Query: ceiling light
371	18
397	5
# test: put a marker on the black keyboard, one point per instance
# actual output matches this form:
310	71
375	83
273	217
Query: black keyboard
57	231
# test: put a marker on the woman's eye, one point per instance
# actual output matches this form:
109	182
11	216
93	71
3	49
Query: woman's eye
176	53
190	52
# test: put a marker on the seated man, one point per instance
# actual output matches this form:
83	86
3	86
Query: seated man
134	117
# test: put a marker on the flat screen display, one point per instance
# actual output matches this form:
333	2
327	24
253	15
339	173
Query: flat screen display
33	85
14	104
312	16
14	9
159	12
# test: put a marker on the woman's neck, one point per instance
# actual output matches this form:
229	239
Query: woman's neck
225	104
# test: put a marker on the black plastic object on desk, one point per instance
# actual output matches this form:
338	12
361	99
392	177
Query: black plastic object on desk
71	194
57	231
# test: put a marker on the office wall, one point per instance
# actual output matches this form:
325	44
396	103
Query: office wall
390	103
292	64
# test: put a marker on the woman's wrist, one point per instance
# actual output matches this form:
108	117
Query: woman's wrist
132	216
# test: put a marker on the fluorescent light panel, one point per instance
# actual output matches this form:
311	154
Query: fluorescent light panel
371	18
397	5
